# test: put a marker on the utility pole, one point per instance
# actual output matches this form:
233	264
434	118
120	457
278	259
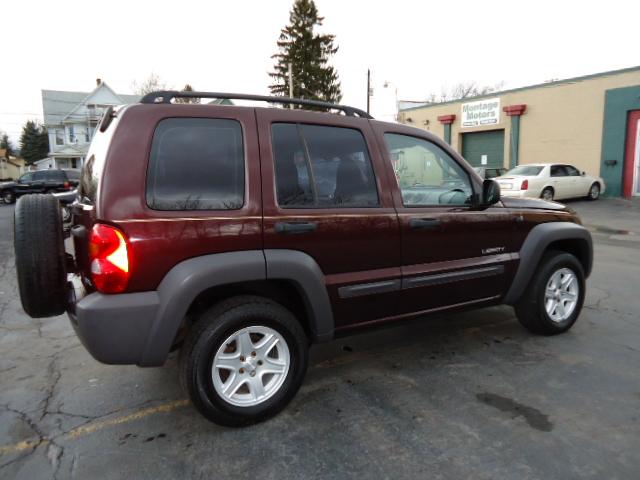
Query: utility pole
290	84
368	88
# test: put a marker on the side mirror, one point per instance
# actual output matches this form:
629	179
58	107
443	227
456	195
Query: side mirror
490	192
583	173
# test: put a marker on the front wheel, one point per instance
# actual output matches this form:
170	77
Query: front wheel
553	300
243	361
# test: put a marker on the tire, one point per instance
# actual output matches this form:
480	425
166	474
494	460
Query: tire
594	192
531	309
547	194
8	197
40	257
212	332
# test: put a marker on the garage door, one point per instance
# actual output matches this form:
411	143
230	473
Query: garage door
477	144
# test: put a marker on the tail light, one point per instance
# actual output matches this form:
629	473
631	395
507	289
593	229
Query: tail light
525	185
109	259
66	185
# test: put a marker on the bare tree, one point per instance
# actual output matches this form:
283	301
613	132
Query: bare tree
152	83
463	90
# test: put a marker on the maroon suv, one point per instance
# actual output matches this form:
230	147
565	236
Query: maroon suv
241	235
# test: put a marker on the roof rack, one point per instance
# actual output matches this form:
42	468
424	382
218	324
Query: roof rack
165	96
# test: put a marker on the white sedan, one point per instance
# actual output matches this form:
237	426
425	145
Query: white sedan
550	181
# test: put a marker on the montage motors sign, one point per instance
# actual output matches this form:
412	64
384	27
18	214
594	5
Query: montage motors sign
481	113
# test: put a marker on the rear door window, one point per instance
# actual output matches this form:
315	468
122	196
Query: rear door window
196	164
322	166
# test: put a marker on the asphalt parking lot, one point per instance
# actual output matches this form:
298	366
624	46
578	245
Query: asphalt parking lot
470	395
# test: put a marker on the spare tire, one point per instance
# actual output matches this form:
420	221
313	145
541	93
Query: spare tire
40	257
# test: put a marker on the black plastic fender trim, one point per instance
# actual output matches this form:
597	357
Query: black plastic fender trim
534	246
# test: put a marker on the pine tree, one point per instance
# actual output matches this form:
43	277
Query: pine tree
187	88
5	143
34	142
309	54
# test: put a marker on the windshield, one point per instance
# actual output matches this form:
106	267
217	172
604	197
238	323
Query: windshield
526	170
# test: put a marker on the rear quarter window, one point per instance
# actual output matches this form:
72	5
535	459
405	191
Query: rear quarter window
196	164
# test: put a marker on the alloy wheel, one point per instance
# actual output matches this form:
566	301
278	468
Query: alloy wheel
250	366
561	295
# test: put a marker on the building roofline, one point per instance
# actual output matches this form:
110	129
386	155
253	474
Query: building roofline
530	87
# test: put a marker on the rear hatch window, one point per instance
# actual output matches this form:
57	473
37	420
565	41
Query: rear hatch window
94	165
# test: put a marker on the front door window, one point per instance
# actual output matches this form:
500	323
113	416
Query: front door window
426	174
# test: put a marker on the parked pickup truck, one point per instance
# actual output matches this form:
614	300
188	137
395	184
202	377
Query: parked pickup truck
40	181
241	235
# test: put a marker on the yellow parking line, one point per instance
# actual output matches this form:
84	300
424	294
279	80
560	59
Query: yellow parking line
96	426
20	446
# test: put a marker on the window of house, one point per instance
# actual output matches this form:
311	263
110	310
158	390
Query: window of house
196	164
321	166
426	174
59	137
72	134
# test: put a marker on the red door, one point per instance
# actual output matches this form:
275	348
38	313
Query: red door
631	186
325	194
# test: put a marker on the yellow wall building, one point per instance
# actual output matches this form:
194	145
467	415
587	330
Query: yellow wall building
592	122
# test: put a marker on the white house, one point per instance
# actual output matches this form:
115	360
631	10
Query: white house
71	118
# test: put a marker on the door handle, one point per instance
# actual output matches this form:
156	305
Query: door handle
424	223
292	228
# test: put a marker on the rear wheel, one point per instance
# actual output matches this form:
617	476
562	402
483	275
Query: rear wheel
547	194
553	300
594	192
243	361
40	257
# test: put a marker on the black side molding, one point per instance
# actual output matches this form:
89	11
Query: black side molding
448	277
361	289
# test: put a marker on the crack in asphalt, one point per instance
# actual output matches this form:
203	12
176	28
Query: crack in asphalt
54	371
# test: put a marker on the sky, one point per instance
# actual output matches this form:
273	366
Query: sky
417	47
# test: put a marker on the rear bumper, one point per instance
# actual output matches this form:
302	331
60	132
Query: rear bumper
115	329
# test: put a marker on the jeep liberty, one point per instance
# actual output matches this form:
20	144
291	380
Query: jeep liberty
241	235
